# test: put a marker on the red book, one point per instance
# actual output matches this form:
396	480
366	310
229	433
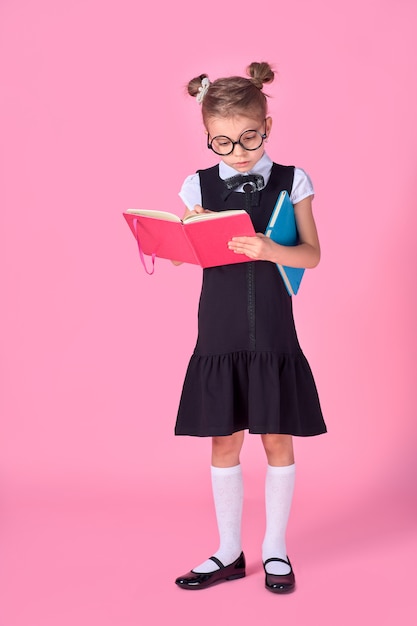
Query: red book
199	239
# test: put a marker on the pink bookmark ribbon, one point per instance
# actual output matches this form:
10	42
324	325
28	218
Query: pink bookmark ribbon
142	258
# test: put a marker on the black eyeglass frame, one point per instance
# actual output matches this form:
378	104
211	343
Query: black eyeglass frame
263	136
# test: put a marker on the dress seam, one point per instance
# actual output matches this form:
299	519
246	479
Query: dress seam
245	351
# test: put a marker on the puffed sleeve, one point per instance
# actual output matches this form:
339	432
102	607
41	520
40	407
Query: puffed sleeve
190	192
302	186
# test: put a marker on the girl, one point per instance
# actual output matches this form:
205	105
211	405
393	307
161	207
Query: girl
247	371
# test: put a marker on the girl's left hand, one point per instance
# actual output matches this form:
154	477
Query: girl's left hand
259	247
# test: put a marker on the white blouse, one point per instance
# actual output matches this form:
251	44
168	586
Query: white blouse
302	186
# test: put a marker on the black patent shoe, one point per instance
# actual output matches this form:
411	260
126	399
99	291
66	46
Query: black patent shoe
197	580
279	583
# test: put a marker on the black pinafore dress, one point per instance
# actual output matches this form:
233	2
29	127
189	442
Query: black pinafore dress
247	370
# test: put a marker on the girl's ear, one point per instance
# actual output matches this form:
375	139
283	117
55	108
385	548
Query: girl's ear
268	125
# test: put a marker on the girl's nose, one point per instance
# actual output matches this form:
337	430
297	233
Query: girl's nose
239	149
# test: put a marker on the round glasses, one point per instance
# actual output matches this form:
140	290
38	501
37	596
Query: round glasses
248	140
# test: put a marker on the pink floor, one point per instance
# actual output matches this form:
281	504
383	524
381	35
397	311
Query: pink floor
91	556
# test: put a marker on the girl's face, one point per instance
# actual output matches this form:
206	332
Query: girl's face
232	127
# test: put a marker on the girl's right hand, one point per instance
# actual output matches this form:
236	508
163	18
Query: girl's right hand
198	209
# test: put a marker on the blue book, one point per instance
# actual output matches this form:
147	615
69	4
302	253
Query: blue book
282	229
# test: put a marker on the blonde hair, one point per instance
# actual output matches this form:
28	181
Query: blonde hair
235	95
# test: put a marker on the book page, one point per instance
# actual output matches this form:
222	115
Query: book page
159	215
212	215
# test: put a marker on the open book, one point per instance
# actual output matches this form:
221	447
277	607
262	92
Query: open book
199	239
282	228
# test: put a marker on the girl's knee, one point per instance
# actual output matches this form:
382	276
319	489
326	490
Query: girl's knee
279	449
226	450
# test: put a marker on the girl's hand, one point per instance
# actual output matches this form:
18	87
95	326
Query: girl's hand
196	211
305	254
259	248
199	209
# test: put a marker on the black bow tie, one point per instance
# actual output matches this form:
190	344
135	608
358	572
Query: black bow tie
254	182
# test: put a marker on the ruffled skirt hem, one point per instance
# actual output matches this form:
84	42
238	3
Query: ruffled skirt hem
262	392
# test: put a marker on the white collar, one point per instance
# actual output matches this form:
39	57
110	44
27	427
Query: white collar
263	167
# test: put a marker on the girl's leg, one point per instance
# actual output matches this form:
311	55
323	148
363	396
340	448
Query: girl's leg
279	487
227	484
225	451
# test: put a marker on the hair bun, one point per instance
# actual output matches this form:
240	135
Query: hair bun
194	85
260	73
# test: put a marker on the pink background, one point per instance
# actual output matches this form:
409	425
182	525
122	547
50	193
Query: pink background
101	506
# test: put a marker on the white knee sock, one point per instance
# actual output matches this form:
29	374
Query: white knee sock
279	488
227	484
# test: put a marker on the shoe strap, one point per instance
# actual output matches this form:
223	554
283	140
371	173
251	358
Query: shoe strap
274	558
216	561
